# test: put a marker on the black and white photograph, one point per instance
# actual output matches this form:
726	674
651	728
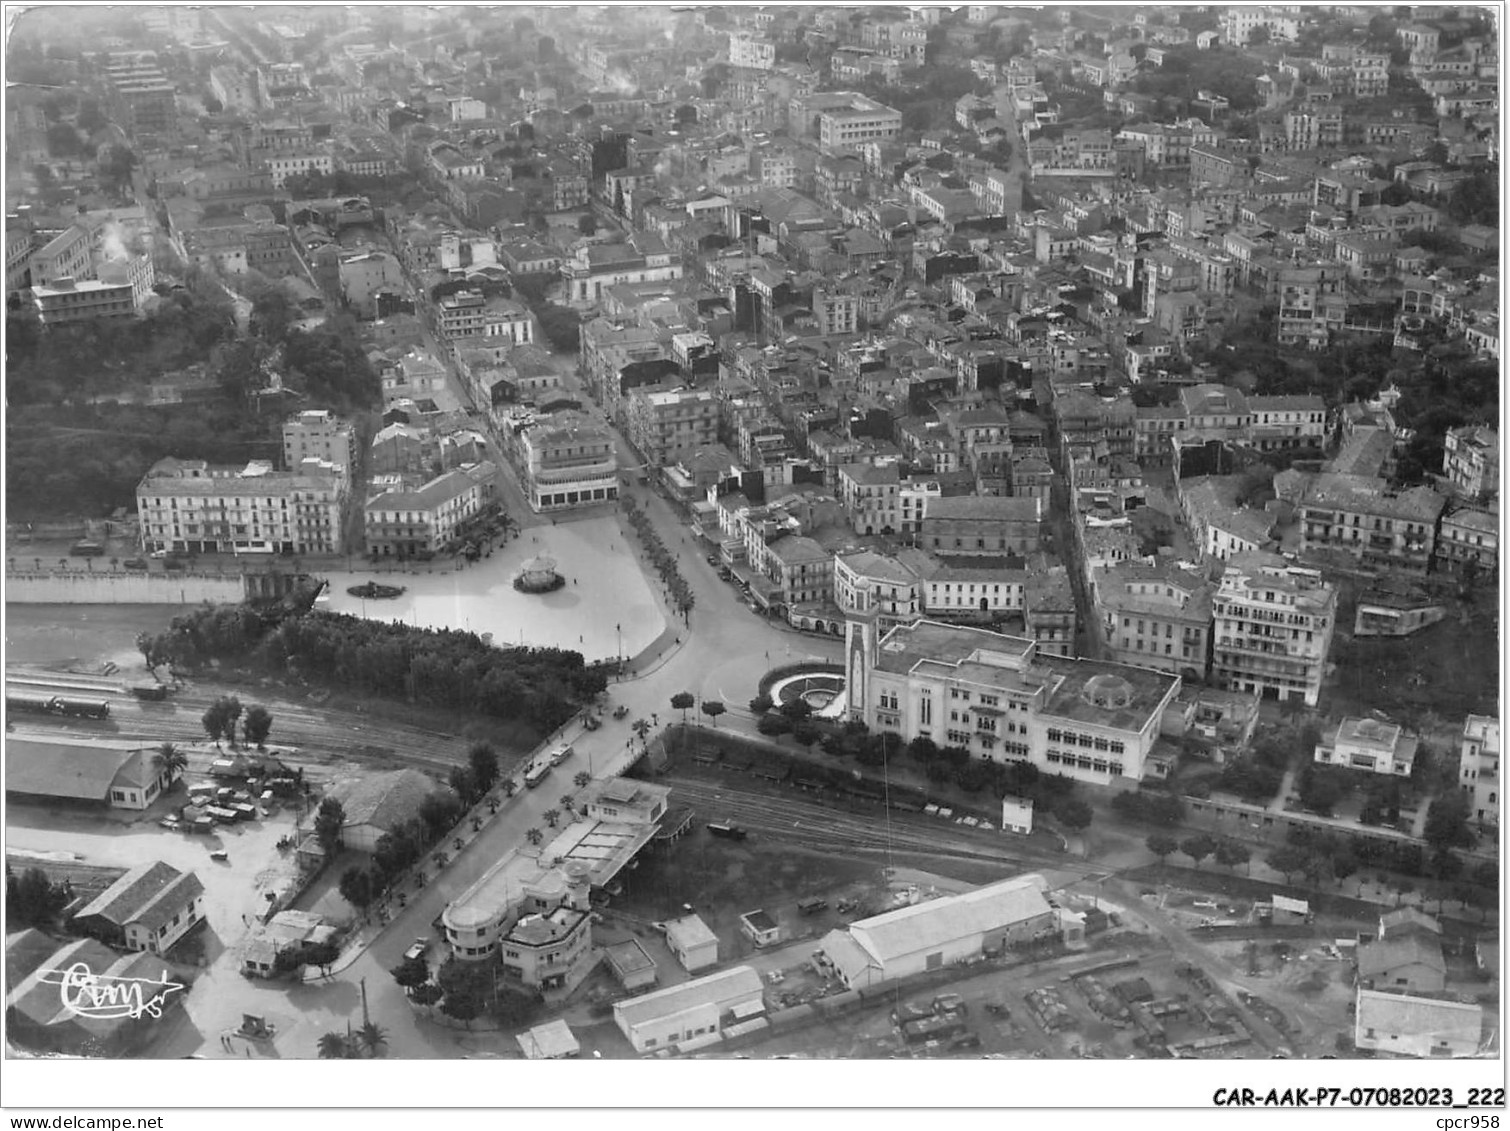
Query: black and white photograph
928	534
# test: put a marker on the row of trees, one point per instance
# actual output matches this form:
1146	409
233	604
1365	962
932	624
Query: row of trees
1052	793
663	559
219	721
542	687
1228	853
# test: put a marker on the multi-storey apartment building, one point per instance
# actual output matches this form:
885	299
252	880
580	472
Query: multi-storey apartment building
404	522
1479	767
1156	616
1307	298
747	51
844	119
870	495
666	424
319	434
1272	628
191	506
84	301
142	97
892	586
1000	698
468	314
64	256
567	461
1361	517
1471	461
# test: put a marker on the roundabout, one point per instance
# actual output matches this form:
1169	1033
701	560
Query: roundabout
820	686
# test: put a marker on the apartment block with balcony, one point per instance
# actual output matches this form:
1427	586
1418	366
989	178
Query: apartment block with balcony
1479	768
1156	616
567	461
870	495
190	506
1272	628
1368	744
85	300
1362	518
411	522
892	585
666	424
1471	461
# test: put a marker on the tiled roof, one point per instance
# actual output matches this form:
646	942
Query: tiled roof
149	895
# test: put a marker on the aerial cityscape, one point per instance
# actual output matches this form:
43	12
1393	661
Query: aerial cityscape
762	532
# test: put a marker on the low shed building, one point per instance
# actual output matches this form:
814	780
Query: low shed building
150	908
552	1041
1417	1027
691	1011
120	775
1411	963
940	932
693	942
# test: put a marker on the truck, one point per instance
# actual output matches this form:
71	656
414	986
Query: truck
727	829
561	753
931	1028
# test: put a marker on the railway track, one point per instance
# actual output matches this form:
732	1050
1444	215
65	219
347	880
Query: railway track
318	729
833	828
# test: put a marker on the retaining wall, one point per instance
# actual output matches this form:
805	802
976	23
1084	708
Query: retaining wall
103	587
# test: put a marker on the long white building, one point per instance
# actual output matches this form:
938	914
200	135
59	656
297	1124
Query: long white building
1001	699
191	506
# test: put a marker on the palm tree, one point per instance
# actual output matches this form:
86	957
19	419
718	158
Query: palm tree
335	1046
373	1037
641	728
551	817
534	836
509	787
569	803
170	761
582	780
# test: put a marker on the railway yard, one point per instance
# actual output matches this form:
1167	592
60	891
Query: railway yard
1165	971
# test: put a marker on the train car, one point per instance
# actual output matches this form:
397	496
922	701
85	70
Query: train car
83	708
32	702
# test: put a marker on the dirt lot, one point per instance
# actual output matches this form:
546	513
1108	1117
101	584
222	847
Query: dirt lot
723	879
1450	669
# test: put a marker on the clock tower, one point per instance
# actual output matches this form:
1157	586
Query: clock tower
860	643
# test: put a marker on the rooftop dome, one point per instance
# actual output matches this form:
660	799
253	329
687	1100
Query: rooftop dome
1107	691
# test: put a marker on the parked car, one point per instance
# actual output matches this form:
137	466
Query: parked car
86	549
811	906
418	949
135	563
712	559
